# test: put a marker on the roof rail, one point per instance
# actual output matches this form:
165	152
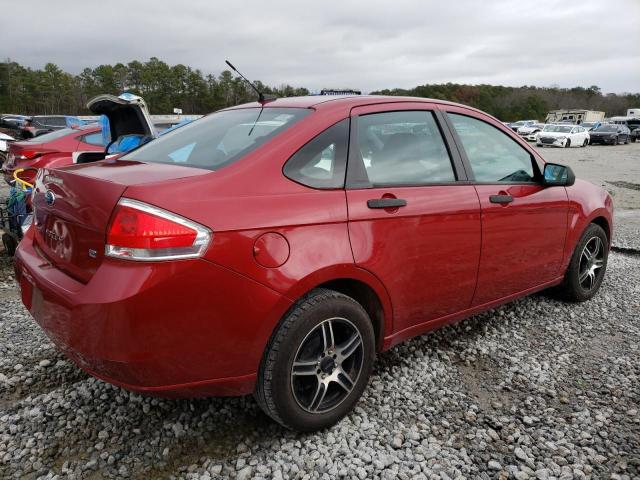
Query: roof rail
329	91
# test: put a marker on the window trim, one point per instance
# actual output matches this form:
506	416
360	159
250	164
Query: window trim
356	181
467	164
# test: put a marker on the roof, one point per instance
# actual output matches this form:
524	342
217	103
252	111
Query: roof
348	101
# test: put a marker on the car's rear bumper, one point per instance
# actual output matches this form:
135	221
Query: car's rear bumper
181	328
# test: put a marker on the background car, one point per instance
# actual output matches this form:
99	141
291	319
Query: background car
5	141
54	149
634	136
611	133
41	124
12	122
564	136
529	132
195	223
521	123
590	125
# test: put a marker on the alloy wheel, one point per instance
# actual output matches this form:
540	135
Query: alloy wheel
591	263
327	365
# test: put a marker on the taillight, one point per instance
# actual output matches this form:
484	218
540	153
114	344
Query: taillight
139	231
29	155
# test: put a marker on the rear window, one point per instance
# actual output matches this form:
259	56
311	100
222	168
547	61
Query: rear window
47	137
219	139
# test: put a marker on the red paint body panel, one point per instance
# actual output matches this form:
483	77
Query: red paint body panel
200	326
522	242
55	153
426	254
118	327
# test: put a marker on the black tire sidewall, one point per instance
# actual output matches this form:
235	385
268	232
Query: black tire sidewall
286	406
574	290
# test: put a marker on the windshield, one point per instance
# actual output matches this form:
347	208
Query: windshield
558	128
219	139
587	124
607	128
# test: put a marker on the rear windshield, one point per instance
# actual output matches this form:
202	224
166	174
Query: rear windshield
220	138
47	137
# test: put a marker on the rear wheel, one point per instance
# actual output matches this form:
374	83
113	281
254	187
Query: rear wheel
10	244
587	267
317	363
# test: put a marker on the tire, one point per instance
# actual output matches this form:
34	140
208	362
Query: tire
292	400
616	141
10	244
572	288
3	158
585	143
567	143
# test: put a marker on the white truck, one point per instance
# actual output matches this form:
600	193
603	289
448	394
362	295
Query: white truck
575	116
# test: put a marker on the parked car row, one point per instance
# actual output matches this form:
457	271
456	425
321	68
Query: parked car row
567	135
30	127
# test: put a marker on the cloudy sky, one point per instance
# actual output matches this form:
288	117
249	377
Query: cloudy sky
359	44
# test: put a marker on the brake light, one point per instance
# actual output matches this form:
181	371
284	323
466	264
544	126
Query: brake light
29	155
138	231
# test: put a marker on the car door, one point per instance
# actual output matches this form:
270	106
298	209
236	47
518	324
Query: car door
523	223
413	222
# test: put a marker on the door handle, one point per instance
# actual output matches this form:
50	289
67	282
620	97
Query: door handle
503	199
386	203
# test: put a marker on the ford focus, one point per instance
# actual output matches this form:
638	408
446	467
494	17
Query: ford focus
276	248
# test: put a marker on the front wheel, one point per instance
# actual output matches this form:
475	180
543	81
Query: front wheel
567	144
317	363
587	267
585	143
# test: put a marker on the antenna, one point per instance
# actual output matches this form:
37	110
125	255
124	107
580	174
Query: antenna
262	98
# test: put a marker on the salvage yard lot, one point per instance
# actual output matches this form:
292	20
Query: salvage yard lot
534	389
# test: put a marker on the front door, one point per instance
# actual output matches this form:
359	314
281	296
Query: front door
412	223
523	223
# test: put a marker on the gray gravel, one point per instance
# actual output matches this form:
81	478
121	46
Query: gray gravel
535	389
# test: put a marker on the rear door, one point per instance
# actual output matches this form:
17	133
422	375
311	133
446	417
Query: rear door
412	221
523	223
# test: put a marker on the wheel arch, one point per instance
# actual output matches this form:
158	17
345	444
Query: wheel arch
358	284
602	222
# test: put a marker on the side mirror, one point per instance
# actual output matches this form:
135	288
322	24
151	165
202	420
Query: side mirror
558	175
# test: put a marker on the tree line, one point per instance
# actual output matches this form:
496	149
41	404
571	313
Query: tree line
50	90
524	103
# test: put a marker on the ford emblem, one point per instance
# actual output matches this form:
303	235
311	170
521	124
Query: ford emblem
49	197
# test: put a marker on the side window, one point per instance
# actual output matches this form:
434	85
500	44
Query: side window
93	139
322	162
494	156
403	148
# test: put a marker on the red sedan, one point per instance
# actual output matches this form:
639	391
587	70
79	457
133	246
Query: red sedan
275	249
55	149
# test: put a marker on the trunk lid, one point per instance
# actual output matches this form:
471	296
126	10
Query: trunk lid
73	206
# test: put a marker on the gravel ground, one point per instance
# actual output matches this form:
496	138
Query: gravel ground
534	389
